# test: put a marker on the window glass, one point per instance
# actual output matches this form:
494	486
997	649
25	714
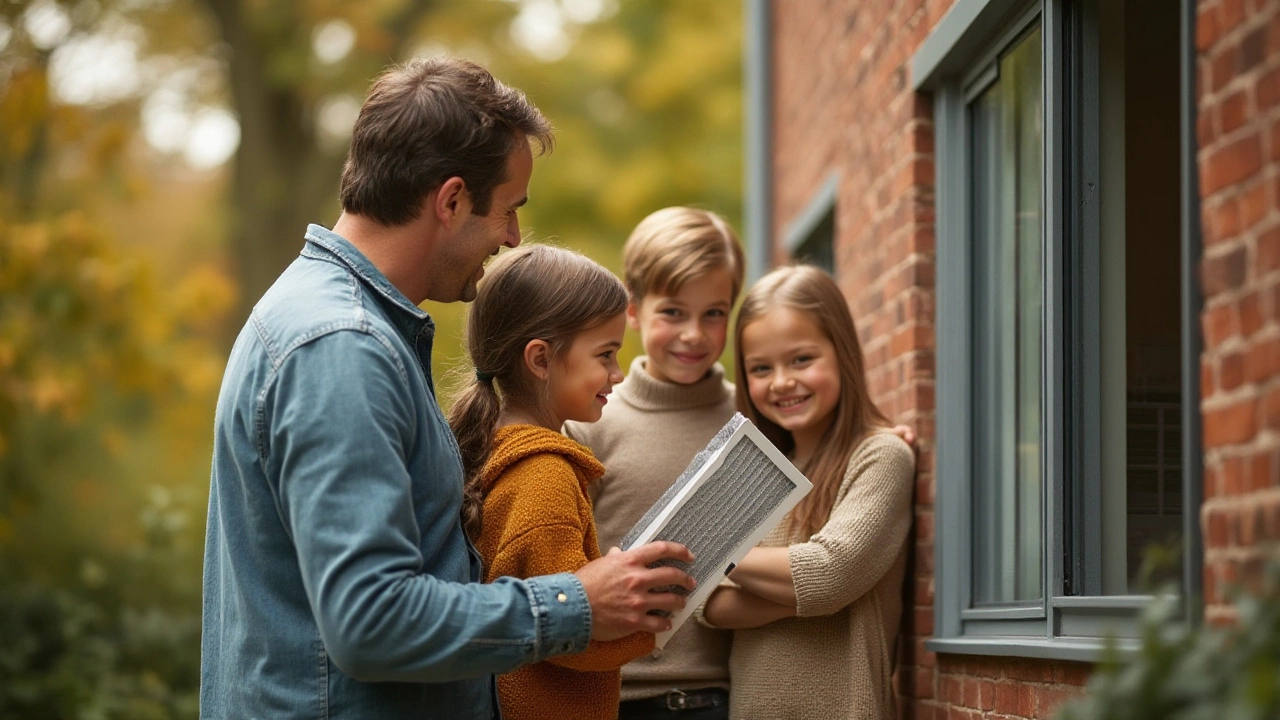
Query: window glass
1006	185
819	247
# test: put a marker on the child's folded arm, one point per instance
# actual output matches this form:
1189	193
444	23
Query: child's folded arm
863	537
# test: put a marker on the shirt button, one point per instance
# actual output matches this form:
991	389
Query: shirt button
562	597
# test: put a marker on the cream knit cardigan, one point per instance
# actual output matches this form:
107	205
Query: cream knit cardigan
835	659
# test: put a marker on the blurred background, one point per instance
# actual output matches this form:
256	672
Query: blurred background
160	160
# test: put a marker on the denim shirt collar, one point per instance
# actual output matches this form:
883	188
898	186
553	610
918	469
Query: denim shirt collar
412	320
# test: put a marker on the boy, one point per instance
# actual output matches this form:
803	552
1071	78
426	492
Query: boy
684	269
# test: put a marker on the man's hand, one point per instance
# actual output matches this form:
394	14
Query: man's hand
618	587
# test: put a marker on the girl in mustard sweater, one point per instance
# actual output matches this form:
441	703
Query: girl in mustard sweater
815	608
543	334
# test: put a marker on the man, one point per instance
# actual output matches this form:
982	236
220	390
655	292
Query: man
338	582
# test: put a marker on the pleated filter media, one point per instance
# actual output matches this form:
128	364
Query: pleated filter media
733	493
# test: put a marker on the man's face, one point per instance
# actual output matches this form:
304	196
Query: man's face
461	259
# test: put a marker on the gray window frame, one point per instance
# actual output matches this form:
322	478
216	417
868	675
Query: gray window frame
1072	621
821	208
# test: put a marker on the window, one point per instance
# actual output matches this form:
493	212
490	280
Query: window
810	238
1059	313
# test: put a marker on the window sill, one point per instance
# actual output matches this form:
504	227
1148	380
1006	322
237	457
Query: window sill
1090	650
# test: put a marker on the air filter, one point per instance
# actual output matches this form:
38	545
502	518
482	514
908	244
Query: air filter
733	493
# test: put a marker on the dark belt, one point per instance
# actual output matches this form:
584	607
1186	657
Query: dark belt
688	699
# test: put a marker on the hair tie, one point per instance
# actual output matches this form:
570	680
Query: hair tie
483	377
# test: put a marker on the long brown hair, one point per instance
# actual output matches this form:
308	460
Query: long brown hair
537	292
807	289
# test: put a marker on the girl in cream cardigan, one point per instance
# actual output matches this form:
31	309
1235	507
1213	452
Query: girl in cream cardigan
816	606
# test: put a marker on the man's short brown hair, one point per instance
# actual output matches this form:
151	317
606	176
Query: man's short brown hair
426	121
674	245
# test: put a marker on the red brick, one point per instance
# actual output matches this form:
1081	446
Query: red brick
924	491
1249	310
1271	519
1230	424
1219	323
910	338
1275	143
1052	699
1254	205
1006	700
1206	28
922	623
1206	132
1231	371
1232	476
1076	674
1219	530
1230	15
986	695
924	524
1267	251
923	684
1271	409
1274	295
1253	49
923	594
1207	386
1232	112
1027	700
1030	670
951	688
1262	360
1224	66
1224	271
1222	221
1245	522
1266	90
1231	164
1212	480
1262	470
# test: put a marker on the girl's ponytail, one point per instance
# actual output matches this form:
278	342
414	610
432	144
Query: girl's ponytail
473	419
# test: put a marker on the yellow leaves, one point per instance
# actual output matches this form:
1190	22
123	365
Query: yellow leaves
24	105
48	393
205	293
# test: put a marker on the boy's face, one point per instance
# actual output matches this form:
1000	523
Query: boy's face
683	334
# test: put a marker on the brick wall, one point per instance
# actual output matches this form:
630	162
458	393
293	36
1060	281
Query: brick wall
843	103
1238	43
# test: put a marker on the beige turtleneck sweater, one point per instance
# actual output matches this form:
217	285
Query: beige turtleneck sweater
650	431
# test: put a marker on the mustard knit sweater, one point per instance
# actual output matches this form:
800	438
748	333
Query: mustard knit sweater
537	521
834	661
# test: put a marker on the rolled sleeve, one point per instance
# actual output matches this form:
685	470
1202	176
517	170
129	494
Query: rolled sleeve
561	613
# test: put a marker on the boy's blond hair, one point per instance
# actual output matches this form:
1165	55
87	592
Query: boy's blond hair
674	245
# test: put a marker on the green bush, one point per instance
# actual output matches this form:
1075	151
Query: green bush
1199	673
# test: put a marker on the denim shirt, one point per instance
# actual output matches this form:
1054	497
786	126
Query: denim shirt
338	581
